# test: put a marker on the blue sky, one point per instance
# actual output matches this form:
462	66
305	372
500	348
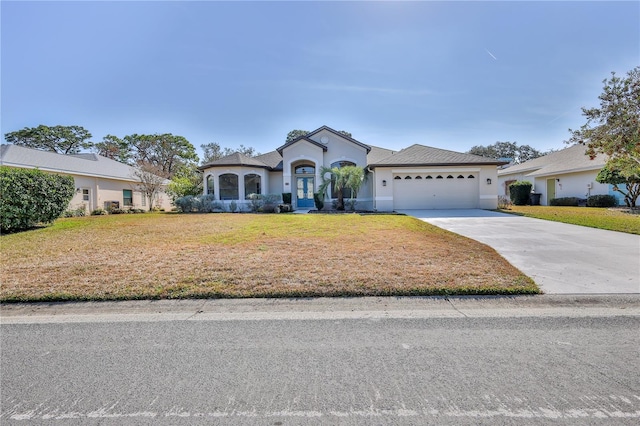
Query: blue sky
445	74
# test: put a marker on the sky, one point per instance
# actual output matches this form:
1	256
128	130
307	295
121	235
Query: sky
450	75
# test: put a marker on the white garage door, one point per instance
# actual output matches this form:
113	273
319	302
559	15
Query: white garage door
435	191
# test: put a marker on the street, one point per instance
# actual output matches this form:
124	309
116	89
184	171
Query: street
523	368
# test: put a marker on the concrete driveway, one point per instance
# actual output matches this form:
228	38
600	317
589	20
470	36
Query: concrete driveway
561	258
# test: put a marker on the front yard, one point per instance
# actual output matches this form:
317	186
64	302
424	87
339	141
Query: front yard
609	219
155	256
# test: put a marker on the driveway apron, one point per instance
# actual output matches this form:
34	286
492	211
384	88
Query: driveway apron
561	258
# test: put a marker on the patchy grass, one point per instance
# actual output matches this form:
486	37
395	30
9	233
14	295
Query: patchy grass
609	219
243	255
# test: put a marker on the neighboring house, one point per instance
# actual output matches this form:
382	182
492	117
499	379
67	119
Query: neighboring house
98	180
417	177
565	173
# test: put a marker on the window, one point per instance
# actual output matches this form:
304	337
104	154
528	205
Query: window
251	185
418	177
229	187
439	177
210	186
471	177
305	170
429	177
346	192
143	198
397	178
460	177
127	197
85	194
449	177
407	177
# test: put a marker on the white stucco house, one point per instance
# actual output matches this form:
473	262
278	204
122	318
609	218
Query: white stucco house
417	177
98	180
565	173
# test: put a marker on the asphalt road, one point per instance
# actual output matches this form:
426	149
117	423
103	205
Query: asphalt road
399	361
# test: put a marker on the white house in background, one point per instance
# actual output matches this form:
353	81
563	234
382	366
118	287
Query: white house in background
417	177
565	173
98	180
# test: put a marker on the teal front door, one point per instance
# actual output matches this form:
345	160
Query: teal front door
304	187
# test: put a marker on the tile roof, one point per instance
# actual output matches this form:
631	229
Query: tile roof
420	155
86	164
572	159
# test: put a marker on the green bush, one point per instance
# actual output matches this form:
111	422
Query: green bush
318	201
519	192
602	201
99	212
30	197
565	201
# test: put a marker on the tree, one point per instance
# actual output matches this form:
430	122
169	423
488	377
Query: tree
347	177
213	151
613	128
510	150
113	147
295	134
150	183
60	139
622	171
186	181
164	154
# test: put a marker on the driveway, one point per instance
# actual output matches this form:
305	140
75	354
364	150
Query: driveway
561	258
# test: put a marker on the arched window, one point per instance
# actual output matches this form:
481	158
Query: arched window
407	177
429	177
210	187
346	192
439	177
460	177
252	185
397	178
449	177
305	170
418	177
471	177
229	187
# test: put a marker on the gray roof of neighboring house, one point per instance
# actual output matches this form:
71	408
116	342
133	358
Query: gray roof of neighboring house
85	164
572	159
420	155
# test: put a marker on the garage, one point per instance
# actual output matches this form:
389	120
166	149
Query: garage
436	191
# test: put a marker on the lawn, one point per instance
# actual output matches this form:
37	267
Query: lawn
172	255
612	220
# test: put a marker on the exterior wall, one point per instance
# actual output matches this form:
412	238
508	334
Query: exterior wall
384	180
566	184
240	171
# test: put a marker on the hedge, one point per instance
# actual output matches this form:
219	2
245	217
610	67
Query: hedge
602	201
519	192
565	201
29	197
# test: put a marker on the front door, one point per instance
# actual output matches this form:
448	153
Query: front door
305	191
551	190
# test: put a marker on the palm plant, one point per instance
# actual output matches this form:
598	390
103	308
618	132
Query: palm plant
347	177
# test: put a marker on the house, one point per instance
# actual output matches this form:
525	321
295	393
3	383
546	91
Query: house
417	177
99	181
565	173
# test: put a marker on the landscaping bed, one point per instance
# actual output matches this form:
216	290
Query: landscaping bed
169	255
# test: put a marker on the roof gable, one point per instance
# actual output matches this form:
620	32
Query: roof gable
421	155
342	135
300	139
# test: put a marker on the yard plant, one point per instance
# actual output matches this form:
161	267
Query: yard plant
170	255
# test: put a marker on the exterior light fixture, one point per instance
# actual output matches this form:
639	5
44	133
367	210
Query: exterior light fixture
384	183
488	181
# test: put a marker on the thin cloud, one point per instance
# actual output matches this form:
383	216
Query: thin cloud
491	54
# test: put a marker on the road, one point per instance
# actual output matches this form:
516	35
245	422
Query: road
402	361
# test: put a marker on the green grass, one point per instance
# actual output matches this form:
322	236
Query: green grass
162	256
602	218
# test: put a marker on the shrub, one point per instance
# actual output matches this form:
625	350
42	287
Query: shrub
565	201
79	211
286	198
519	192
29	197
188	204
318	201
99	212
602	201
